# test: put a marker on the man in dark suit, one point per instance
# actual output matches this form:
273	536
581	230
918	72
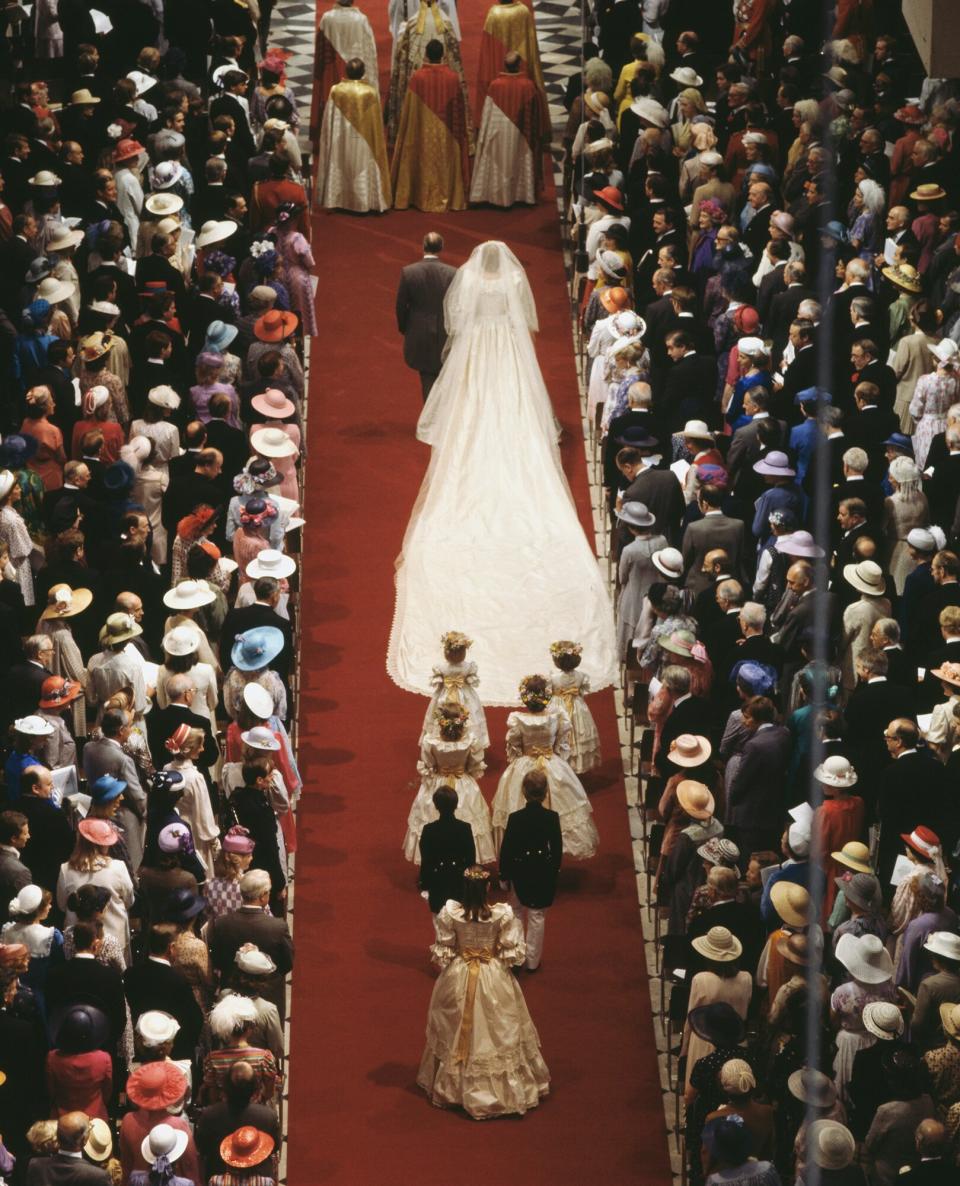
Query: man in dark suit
869	368
913	789
25	679
852	521
51	835
943	487
802	371
688	383
945	570
657	489
231	442
447	850
156	984
253	924
690	714
14	874
792	634
714	531
163	722
423	286
198	488
871	424
873	704
784	306
261	612
757	234
747	444
777	251
755	808
84	980
68	1167
530	857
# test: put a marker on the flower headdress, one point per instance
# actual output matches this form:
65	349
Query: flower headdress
531	695
261	247
450	713
476	873
453	640
565	647
258	518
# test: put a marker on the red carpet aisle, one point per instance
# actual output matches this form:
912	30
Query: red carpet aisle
362	982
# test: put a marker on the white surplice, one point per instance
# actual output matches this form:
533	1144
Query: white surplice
348	176
400	11
495	546
503	169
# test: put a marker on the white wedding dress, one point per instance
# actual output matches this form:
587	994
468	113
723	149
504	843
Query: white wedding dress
494	546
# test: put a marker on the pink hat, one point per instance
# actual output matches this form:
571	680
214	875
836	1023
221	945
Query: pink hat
238	839
273	403
98	831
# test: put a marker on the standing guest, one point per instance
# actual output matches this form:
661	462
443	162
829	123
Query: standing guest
67	1166
246	1151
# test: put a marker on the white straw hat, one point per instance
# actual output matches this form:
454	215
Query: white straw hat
182	640
189	595
273	442
271	563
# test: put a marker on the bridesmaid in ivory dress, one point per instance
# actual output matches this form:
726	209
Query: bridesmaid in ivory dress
483	1051
538	738
569	688
455	681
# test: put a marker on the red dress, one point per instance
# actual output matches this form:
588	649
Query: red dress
80	1082
835	823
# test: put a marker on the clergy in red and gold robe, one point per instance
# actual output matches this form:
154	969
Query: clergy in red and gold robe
352	169
510	26
343	33
508	166
431	158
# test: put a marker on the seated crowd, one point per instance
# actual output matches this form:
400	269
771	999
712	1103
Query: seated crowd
155	291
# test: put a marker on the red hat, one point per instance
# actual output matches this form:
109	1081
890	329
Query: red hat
923	841
98	831
614	299
246	1147
746	320
57	692
177	739
126	149
156	1085
910	114
610	196
275	325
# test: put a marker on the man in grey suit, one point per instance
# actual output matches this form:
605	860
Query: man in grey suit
253	923
14	874
423	286
715	531
106	755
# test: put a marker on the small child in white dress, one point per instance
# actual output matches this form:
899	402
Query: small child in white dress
455	681
538	738
569	689
450	756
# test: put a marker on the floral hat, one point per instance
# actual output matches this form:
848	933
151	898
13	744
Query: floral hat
565	647
453	640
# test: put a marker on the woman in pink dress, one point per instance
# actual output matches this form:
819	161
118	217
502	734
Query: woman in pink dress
296	261
49	459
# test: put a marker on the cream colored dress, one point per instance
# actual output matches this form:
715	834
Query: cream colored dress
458	764
456	683
569	689
541	741
483	1051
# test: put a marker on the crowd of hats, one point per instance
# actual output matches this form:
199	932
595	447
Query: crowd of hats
154	289
767	262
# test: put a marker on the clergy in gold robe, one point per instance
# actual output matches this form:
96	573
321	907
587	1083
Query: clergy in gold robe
352	169
343	33
510	26
431	161
508	166
429	23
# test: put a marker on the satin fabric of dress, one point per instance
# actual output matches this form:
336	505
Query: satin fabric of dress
503	170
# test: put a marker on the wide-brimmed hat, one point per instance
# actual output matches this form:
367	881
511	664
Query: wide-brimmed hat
791	902
98	831
33	726
928	192
832	1145
256	648
96	345
119	627
695	799
273	404
718	1023
273	442
181	640
945	350
719	851
669	561
697	430
855	855
57	692
718	944
650	110
923	840
52	290
260	737
861	890
904	276
189	595
258	700
865	958
214	231
611	263
219	336
945	943
812	1087
689	749
62	238
183	904
614	299
83	98
798	949
775	465
686	76
246	1147
64	602
156	1085
681	642
126	150
636	514
99	1143
950	1019
911	114
949	673
106	788
882	1019
271	563
163	204
866	577
274	325
836	771
610	196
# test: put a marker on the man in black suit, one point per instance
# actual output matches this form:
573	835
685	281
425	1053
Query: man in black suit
714	535
872	423
24	680
109	246
163	722
423	286
51	835
757	234
447	850
230	441
777	253
945	570
156	984
530	857
657	489
792	634
690	714
234	84
747	444
854	484
68	1167
204	308
262	612
943	487
755	807
194	438
84	980
14	874
784	306
16	256
198	488
802	371
885	637
156	268
253	924
868	368
873	704
852	520
914	788
687	392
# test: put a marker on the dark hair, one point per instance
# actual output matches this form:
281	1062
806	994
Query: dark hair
473	897
760	709
535	786
162	934
12	824
434	51
445	800
112	722
85	934
254	768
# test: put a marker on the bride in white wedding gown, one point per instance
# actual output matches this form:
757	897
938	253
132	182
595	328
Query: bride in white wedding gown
494	546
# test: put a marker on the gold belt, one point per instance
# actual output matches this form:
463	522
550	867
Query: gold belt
456	771
473	957
454	685
542	757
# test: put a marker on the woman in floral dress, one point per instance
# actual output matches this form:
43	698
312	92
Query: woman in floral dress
297	264
932	396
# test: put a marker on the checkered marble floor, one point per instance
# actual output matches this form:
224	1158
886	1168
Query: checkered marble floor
293	28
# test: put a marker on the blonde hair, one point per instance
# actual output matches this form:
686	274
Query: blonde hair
87	857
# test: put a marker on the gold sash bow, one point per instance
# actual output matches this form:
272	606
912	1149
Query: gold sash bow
473	957
453	686
567	695
542	756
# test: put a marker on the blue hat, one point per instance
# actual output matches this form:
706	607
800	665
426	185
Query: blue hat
811	395
759	679
219	336
836	231
636	436
39	309
117	477
256	648
106	788
899	440
17	449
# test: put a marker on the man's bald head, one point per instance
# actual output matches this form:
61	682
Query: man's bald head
179	686
72	1130
931	1137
